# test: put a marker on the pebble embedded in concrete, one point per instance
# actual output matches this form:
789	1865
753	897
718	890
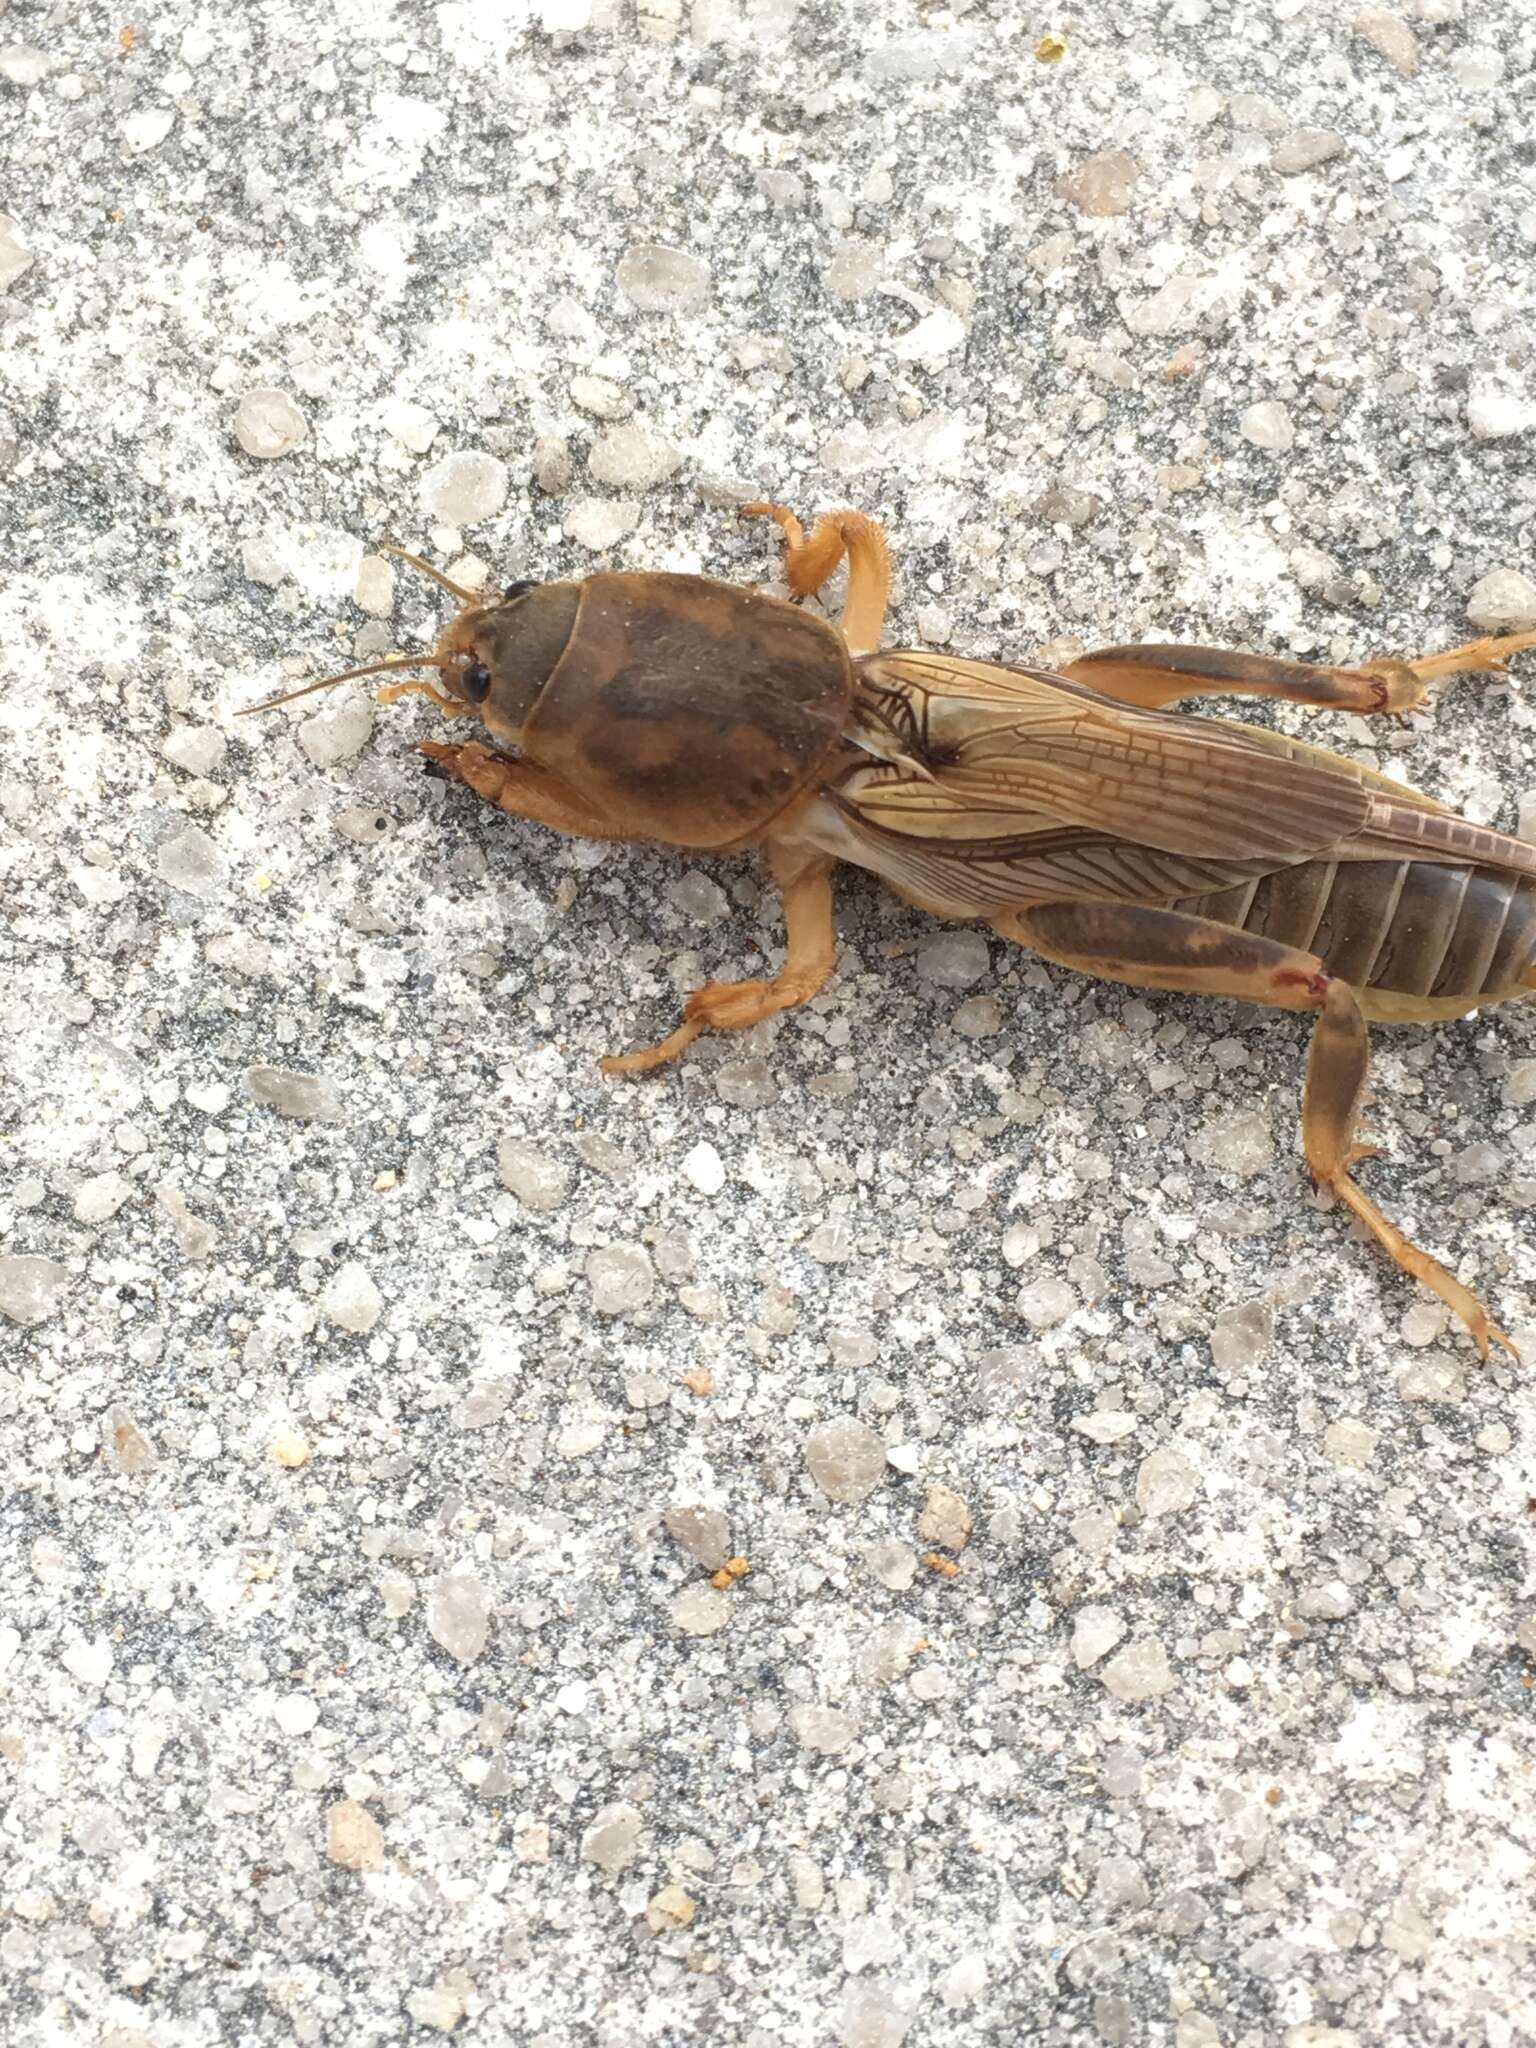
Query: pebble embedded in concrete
657	279
465	487
1102	185
351	1300
269	424
1268	425
459	1616
31	1288
1503	601
846	1459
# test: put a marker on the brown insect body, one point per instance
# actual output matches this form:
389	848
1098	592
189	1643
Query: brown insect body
1074	812
692	711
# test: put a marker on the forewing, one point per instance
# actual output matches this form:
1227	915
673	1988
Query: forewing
996	751
959	874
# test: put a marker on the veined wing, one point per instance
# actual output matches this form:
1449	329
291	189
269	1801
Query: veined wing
982	751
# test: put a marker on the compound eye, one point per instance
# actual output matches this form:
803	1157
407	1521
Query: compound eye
519	589
475	682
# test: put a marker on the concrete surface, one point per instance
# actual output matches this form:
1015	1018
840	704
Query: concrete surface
380	1387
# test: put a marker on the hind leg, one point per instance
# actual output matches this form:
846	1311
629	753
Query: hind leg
1154	676
1330	1108
1168	949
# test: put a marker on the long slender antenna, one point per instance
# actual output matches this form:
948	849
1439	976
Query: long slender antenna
349	675
387	547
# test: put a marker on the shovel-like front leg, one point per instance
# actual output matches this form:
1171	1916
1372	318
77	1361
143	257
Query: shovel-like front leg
520	787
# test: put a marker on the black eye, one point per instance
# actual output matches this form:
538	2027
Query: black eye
475	682
519	589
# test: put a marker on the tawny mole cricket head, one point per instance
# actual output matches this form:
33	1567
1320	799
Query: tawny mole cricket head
683	710
494	659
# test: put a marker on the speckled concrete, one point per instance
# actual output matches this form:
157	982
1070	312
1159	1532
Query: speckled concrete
381	1390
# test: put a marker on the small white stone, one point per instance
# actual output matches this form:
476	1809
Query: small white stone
946	1520
1167	1483
662	280
621	1277
846	1459
31	1288
1503	601
705	1168
1392	36
459	1616
374	592
581	1439
602	398
1138	1672
935	337
825	1730
1095	1633
601	523
199	749
147	130
701	1610
295	1713
411	425
90	1662
351	1300
1478	67
963	1982
465	487
99	1199
954	959
438	2006
1304	149
1495	412
1045	1302
631	459
1106	1425
572	1698
23	65
191	861
15	257
268	424
205	1443
612	1842
1268	425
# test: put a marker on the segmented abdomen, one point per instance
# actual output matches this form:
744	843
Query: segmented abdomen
1406	927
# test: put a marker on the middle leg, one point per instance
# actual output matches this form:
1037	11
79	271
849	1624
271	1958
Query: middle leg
808	562
806	882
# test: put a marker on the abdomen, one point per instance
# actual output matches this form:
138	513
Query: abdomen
1419	939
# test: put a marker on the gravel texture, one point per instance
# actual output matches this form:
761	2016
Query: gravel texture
913	1526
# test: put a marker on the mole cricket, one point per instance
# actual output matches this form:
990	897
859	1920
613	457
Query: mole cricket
1073	812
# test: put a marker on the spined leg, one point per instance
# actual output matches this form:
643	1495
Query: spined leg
1336	1075
1168	949
522	788
809	562
805	880
1155	676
